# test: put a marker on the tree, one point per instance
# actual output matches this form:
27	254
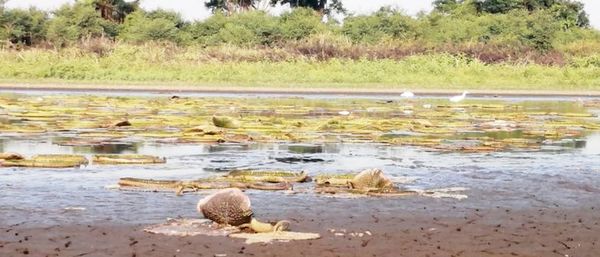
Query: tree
321	6
571	13
23	26
115	10
229	7
77	21
445	5
498	6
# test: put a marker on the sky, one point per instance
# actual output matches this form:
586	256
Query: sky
194	9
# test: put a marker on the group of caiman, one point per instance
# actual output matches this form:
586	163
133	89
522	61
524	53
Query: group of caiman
371	182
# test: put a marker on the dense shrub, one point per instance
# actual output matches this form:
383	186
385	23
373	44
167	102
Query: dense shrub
300	23
386	23
155	26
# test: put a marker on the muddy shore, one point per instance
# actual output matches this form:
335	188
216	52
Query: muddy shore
428	228
230	89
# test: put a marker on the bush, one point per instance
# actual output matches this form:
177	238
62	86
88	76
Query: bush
139	28
249	28
384	23
300	23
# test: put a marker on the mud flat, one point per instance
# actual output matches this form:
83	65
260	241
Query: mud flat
426	228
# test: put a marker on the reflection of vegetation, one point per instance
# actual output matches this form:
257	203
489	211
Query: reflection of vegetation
108	148
472	126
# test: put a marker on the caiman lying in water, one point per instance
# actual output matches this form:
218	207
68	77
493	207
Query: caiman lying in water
180	186
259	180
368	182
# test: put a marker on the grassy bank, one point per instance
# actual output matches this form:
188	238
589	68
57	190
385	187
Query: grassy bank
190	66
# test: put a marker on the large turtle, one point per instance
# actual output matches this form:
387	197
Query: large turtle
228	207
232	207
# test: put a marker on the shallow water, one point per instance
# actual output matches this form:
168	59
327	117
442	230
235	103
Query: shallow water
555	175
44	196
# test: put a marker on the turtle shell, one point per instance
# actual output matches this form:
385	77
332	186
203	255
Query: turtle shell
228	206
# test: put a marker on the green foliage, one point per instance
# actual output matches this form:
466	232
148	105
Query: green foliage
23	26
498	29
498	6
230	6
322	6
81	20
158	26
300	23
245	29
386	23
445	6
571	13
151	63
114	10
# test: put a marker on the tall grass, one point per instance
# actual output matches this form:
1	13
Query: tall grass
166	63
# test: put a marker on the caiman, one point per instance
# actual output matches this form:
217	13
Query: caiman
194	185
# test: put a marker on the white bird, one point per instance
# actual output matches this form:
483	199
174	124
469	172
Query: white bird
458	98
344	113
407	94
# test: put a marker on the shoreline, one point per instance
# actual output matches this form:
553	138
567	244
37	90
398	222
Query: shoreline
220	89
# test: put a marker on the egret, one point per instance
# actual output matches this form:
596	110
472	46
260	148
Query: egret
344	113
458	98
407	94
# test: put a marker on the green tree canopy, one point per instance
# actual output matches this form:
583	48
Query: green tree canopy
23	26
322	6
115	10
571	13
77	21
230	6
